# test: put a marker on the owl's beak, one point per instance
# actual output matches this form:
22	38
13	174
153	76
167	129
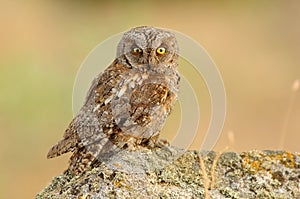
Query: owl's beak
151	58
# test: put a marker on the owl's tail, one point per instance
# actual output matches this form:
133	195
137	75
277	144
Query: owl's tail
63	146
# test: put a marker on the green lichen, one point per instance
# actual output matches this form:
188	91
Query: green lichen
254	174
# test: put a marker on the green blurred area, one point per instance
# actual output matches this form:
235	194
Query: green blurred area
255	44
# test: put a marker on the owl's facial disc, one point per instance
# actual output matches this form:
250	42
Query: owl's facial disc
150	46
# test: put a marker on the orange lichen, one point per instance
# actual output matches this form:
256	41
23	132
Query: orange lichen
255	164
118	183
287	159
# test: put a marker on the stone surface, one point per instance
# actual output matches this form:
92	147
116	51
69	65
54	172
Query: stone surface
175	173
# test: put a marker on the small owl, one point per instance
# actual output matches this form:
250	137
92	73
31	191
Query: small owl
127	105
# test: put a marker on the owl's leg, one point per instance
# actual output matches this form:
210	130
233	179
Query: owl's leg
156	142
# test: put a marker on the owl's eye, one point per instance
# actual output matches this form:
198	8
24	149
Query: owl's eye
161	50
137	50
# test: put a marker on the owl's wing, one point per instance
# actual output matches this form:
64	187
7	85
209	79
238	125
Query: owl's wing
71	138
86	127
65	145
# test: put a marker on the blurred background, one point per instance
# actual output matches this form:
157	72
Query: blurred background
255	44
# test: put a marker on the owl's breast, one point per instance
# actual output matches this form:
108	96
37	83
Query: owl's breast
143	102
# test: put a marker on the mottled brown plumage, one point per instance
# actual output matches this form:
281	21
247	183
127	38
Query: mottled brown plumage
126	105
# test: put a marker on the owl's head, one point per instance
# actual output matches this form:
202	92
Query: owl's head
149	46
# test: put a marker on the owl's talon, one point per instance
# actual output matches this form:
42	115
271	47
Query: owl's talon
162	143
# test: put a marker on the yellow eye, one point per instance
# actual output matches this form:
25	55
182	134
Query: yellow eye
161	50
137	50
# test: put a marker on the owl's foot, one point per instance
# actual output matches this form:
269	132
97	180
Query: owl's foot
156	142
162	143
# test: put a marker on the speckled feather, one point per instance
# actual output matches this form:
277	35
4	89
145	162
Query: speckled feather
126	105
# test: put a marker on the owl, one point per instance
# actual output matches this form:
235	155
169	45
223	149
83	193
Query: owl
128	103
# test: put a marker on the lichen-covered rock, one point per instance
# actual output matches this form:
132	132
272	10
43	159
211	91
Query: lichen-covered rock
175	173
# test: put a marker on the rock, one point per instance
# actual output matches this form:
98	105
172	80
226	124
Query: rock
175	173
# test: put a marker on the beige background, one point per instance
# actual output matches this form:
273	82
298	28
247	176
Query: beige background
255	44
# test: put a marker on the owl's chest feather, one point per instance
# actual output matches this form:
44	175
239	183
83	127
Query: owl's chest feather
139	103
